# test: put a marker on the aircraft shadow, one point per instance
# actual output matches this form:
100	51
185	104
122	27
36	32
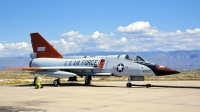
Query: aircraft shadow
73	84
165	86
93	85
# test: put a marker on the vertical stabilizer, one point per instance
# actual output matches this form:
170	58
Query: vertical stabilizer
42	48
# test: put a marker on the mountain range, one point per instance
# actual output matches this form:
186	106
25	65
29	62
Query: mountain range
172	59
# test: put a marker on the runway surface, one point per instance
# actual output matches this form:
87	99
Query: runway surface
101	97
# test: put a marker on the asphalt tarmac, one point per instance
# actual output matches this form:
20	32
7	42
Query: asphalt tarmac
102	97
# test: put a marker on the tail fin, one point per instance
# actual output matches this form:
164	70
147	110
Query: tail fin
42	48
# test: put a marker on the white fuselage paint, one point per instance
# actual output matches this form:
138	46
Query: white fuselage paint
79	66
57	62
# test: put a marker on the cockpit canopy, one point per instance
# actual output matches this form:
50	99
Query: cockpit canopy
135	58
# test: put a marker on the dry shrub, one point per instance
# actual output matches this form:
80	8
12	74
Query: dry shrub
24	77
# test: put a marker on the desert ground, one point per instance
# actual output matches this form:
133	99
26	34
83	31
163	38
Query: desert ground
103	96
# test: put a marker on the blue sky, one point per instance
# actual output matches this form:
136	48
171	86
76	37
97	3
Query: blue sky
93	25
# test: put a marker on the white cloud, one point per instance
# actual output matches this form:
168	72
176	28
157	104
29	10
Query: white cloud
139	26
97	35
71	34
16	49
138	36
94	42
121	41
151	39
1	46
65	46
22	45
195	31
112	34
178	32
105	47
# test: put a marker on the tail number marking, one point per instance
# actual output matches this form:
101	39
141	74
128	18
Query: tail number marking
41	48
146	71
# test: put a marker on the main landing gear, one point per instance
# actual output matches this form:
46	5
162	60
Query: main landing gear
56	82
129	84
88	80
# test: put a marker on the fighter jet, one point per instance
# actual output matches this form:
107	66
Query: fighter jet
47	60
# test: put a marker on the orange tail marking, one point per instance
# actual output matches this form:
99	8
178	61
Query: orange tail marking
43	48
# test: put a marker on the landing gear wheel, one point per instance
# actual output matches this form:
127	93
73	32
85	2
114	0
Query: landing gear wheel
56	83
41	86
88	80
148	85
128	85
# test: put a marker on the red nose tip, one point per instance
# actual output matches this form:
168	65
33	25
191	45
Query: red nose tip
162	70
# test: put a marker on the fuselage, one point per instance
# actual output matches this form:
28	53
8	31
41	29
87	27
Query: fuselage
117	65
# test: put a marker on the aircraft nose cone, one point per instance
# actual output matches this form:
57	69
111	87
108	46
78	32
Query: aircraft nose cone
162	70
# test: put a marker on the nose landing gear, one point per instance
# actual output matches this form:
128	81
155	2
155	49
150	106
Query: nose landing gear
129	84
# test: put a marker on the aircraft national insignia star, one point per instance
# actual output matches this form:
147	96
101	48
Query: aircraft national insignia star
120	67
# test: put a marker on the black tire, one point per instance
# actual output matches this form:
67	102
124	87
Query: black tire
128	85
41	86
87	82
148	85
56	83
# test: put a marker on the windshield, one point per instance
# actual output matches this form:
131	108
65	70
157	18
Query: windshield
138	58
134	58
